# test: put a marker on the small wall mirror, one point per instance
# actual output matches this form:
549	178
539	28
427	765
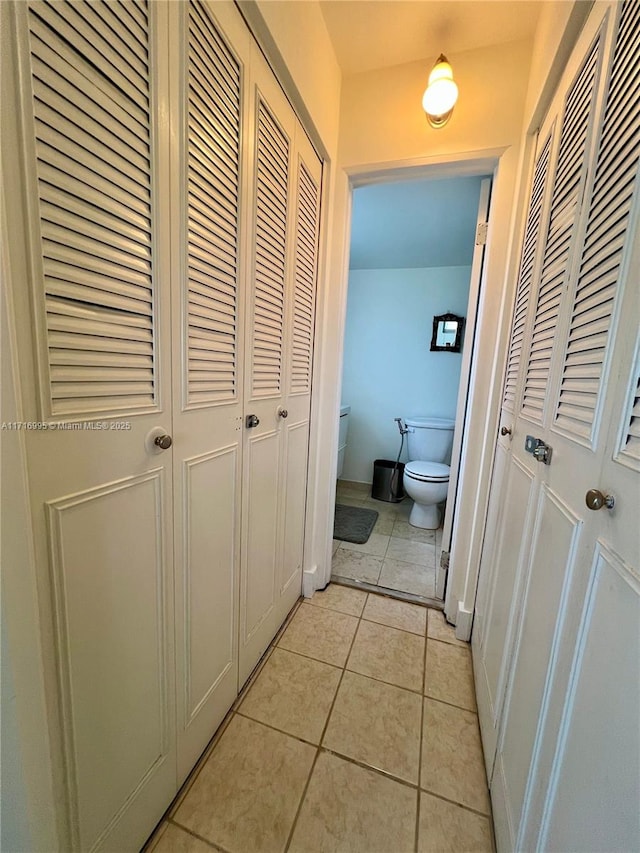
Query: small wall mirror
447	333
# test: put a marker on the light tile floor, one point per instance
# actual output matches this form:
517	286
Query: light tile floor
357	735
396	556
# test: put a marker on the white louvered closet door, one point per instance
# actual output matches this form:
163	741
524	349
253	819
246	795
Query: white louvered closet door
510	484
209	177
283	227
94	167
563	777
168	233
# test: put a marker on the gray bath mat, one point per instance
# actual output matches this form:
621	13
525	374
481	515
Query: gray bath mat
353	523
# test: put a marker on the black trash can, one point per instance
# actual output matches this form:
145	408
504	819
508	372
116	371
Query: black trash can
387	481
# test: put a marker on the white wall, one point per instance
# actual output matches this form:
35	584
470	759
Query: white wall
307	60
389	370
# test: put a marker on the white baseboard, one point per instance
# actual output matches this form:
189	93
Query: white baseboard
309	581
464	621
501	820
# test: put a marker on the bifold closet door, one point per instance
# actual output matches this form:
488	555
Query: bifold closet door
92	247
283	228
209	109
560	648
168	232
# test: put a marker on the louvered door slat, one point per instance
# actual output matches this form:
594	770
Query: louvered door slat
89	186
59	63
615	179
206	33
207	195
105	24
525	277
201	221
125	13
307	219
222	149
80	358
90	82
272	169
214	97
568	181
214	104
105	52
65	96
116	218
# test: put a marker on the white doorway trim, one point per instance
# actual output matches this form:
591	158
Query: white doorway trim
486	377
477	282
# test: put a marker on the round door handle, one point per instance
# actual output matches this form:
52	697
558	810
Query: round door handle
283	413
505	430
164	442
595	500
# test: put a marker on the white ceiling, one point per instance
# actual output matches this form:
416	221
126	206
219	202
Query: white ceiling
368	34
414	224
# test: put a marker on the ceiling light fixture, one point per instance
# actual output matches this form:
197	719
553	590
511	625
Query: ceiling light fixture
441	93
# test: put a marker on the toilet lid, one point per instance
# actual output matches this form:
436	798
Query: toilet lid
432	472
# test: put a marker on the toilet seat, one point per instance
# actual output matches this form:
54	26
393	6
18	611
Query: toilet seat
427	472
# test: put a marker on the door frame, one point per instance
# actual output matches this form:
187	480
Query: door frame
504	166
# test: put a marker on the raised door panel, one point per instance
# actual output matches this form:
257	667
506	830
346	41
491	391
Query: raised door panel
492	662
295	450
111	574
556	531
259	587
595	786
207	561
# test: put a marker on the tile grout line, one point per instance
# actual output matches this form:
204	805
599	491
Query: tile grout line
378	771
193	834
319	747
226	720
413	690
324	729
299	738
457	803
422	704
388	592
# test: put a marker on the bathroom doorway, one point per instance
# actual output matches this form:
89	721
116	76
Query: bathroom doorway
416	253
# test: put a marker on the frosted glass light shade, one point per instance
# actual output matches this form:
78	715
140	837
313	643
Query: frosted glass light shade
441	93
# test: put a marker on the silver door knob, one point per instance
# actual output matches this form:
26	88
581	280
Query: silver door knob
505	430
595	500
251	421
164	442
283	413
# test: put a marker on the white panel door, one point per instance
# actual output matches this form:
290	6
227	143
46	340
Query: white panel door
294	427
284	218
270	228
567	768
210	66
94	166
512	486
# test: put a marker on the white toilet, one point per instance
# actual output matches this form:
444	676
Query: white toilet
426	475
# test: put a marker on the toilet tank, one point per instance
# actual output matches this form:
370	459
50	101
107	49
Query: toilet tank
430	439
